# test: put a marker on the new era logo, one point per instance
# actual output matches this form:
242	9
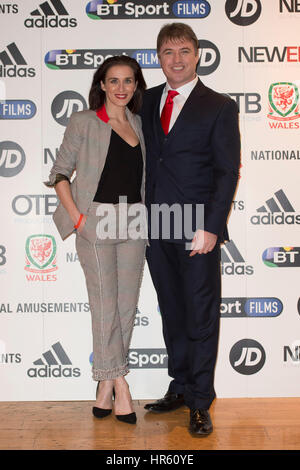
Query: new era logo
279	203
47	9
52	358
12	56
230	253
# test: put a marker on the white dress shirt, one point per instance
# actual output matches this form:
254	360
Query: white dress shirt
179	100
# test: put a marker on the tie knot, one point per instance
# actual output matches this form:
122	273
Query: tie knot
171	95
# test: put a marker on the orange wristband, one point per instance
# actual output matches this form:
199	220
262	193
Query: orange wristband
79	221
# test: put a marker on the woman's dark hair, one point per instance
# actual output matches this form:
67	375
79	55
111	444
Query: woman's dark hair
97	95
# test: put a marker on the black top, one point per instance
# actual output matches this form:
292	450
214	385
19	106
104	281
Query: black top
122	172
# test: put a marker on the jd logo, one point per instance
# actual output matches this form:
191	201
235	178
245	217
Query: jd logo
247	356
243	12
65	104
12	158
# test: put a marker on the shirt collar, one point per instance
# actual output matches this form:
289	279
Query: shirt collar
184	90
102	114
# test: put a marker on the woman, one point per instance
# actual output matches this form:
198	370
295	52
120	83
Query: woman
105	145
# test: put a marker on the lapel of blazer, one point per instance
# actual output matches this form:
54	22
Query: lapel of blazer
156	124
191	103
136	126
103	143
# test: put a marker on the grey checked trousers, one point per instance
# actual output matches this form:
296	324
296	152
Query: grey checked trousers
113	271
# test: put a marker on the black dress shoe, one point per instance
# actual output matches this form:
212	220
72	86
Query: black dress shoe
200	423
171	401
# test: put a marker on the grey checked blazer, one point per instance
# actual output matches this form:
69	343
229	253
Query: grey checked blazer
84	149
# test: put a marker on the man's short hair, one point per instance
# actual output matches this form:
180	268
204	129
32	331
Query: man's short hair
176	31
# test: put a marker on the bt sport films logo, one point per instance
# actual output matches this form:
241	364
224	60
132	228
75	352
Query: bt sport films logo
284	106
83	59
40	258
156	9
282	257
17	109
145	358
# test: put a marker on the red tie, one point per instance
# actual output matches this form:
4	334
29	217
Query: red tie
167	111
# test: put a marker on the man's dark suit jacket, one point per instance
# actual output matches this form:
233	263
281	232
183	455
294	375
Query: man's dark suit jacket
198	161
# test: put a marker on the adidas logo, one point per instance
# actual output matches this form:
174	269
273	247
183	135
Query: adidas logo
51	14
13	63
275	210
54	363
232	262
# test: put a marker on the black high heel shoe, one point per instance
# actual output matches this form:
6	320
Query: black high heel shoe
129	418
101	412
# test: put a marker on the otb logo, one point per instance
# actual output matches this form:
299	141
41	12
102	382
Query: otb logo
232	261
282	257
14	64
51	16
40	257
12	158
54	363
39	204
283	105
243	12
277	210
122	9
65	104
247	356
17	109
2	255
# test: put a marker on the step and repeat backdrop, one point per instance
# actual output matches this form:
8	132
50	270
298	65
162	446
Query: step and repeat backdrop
49	51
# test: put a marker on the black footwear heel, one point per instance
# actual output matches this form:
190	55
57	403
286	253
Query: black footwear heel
101	412
129	419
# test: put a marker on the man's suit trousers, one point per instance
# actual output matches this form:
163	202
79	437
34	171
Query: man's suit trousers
189	292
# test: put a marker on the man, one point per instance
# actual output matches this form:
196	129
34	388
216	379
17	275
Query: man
193	157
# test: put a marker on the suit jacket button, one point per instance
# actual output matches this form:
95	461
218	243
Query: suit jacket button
161	160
